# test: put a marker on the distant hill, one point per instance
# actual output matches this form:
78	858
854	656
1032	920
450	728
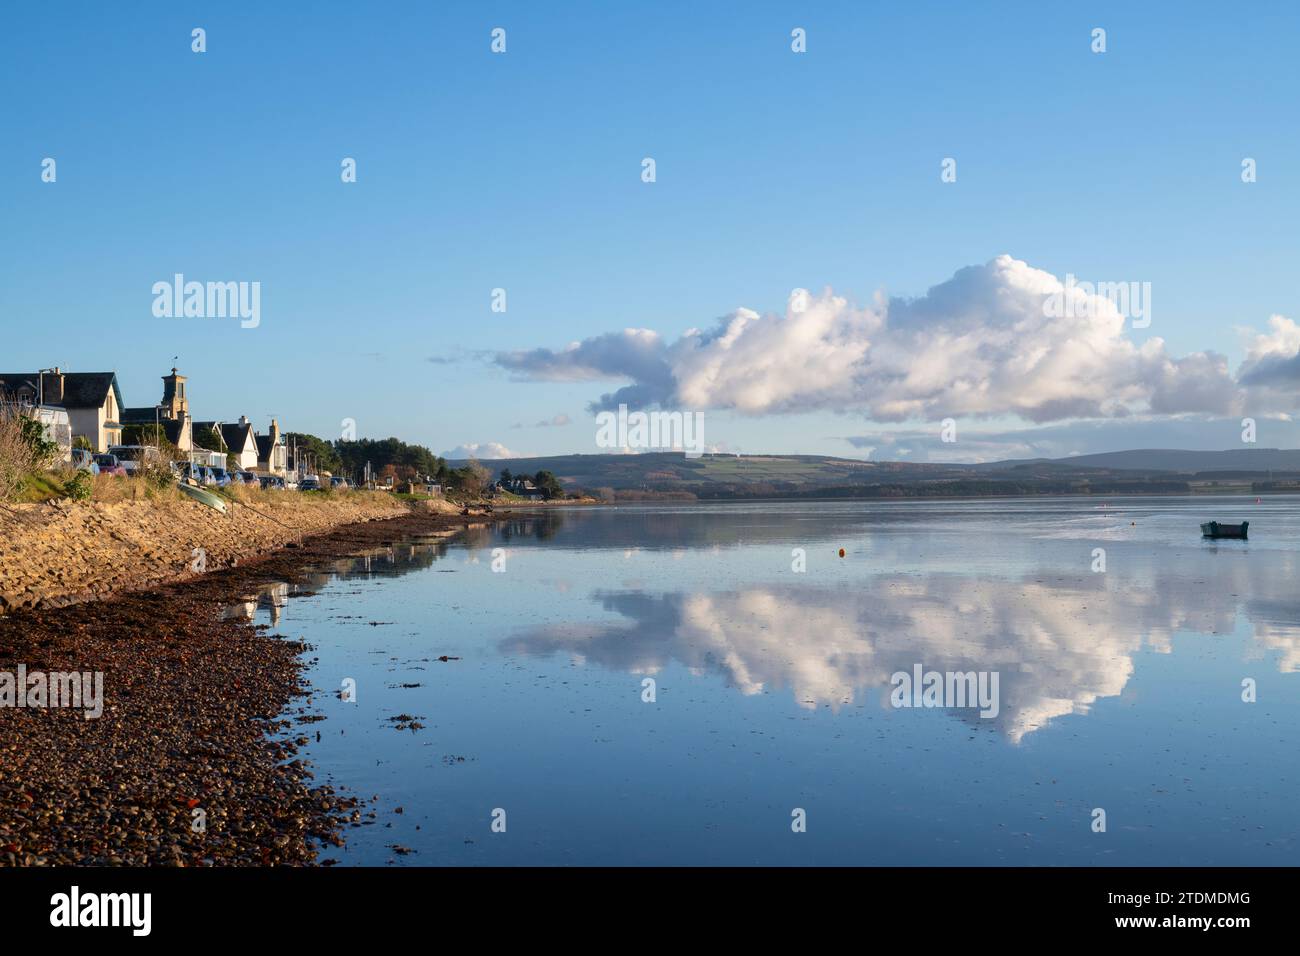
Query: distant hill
668	469
1163	471
1171	459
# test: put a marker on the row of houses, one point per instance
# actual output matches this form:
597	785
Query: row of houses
89	405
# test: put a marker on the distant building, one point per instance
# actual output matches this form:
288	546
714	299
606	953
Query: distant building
272	455
523	487
57	427
172	413
241	443
210	459
92	400
420	486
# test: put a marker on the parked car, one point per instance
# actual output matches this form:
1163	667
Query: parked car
245	477
338	481
132	456
109	465
84	460
220	477
310	483
271	481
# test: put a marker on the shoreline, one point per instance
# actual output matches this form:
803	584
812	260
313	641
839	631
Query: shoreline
59	553
203	718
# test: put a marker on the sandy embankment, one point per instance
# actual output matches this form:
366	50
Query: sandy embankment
52	555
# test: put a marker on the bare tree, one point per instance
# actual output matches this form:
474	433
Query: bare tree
23	449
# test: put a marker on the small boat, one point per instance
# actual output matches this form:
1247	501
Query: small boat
204	497
1216	529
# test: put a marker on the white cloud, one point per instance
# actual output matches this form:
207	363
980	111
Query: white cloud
483	450
980	344
1272	366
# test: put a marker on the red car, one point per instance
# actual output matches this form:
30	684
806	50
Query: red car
109	465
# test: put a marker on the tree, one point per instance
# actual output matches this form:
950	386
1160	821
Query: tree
506	477
548	485
317	453
24	450
354	455
44	450
476	478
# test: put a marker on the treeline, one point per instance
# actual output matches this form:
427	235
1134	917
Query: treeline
386	456
402	461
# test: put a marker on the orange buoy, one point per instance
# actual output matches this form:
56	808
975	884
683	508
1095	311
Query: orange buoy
841	552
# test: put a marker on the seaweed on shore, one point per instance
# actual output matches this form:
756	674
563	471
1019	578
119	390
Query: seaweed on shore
189	764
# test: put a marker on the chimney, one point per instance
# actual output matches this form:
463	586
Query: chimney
52	387
243	419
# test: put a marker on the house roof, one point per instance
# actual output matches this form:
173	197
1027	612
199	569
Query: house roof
12	382
205	431
264	446
80	389
172	429
236	435
145	416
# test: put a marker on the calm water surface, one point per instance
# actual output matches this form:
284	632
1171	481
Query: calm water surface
1119	690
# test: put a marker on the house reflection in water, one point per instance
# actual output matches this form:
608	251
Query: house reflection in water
270	597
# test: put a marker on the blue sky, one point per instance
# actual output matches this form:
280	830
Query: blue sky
775	170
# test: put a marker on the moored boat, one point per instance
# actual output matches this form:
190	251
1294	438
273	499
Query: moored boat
203	497
1217	529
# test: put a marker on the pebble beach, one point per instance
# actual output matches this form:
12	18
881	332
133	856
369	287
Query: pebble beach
193	761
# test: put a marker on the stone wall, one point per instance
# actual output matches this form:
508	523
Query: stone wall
57	554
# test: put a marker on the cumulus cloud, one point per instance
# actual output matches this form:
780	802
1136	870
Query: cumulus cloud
637	354
487	449
1273	359
980	344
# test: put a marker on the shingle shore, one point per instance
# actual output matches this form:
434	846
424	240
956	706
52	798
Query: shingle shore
192	721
